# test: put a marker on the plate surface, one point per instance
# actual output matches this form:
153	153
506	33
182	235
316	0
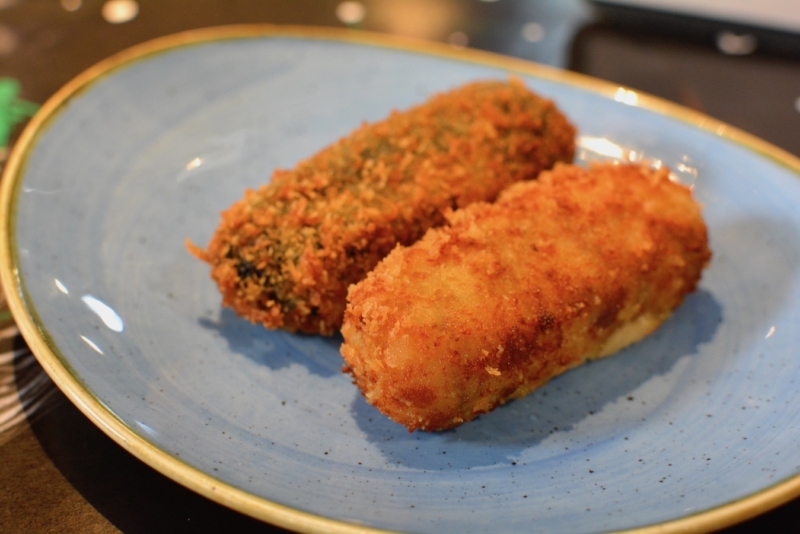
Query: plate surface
696	426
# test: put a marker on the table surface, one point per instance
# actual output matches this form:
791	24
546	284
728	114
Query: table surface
58	472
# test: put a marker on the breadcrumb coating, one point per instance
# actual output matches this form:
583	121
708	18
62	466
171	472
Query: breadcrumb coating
284	255
572	266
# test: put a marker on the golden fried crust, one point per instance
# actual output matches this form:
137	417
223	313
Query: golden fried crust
285	254
572	266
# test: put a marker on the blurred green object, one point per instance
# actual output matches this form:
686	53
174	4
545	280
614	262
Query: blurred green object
12	109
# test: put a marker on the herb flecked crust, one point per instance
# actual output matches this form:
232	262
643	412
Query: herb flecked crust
285	254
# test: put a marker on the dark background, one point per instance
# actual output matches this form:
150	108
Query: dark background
61	474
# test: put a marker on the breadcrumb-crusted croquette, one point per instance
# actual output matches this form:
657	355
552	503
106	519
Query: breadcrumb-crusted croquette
285	254
575	265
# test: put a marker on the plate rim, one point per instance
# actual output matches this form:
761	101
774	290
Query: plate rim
208	486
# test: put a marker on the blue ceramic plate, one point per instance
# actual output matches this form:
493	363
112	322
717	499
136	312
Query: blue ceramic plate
694	428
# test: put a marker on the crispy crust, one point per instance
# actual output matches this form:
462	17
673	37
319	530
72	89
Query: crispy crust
572	266
284	255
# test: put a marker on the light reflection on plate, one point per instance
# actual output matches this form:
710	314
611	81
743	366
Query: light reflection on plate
143	152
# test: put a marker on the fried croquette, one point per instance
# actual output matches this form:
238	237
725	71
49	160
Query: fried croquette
575	265
284	255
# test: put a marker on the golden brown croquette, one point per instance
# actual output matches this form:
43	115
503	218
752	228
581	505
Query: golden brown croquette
575	265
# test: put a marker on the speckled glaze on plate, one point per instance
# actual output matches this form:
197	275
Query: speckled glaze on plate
694	428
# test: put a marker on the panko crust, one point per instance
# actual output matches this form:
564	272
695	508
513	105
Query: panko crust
572	266
284	255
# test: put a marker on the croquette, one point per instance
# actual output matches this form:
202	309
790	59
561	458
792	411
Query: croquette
285	254
573	266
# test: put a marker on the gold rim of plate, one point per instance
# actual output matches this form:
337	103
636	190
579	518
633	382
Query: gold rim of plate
217	490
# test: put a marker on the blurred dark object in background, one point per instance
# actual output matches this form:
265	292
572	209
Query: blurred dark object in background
758	93
747	75
734	27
